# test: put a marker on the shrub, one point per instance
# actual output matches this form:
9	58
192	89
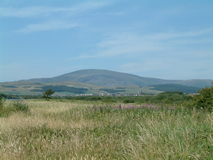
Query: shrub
1	103
205	99
128	101
17	106
20	106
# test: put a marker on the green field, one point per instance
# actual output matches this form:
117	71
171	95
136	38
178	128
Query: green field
71	129
65	88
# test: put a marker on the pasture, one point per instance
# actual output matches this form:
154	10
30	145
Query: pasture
64	129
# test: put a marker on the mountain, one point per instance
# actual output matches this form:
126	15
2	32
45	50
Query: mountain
94	81
200	83
111	78
104	78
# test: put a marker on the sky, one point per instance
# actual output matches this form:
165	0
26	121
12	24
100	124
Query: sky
164	39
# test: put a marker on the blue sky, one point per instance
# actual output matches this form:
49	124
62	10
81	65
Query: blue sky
150	38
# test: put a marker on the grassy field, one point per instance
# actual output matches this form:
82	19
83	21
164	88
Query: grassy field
28	88
93	130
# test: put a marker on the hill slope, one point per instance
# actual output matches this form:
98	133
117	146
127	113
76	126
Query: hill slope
175	87
93	81
111	78
103	78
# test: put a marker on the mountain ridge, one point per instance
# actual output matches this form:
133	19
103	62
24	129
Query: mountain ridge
109	78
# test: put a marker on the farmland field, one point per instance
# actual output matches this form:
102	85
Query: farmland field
62	129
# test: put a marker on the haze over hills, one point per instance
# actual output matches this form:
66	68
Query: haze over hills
111	78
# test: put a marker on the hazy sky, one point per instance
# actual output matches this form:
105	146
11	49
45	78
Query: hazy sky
168	39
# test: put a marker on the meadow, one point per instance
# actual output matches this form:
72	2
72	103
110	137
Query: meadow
94	130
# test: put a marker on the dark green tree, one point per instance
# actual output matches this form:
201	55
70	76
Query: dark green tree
205	99
48	94
1	100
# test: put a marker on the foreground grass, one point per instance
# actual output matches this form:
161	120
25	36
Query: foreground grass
76	130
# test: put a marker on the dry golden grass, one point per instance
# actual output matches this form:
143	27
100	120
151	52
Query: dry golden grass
19	120
36	117
68	130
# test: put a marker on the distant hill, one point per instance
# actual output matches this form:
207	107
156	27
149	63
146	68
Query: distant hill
175	87
200	83
94	81
111	78
102	78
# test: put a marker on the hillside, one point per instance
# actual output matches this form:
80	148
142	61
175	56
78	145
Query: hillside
200	83
103	78
111	78
61	88
175	87
94	81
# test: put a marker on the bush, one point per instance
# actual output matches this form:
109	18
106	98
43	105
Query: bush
171	97
17	106
205	99
1	103
20	106
128	101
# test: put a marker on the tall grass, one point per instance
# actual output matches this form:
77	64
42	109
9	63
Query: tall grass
93	130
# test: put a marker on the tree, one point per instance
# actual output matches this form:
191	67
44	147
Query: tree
205	99
48	93
2	97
